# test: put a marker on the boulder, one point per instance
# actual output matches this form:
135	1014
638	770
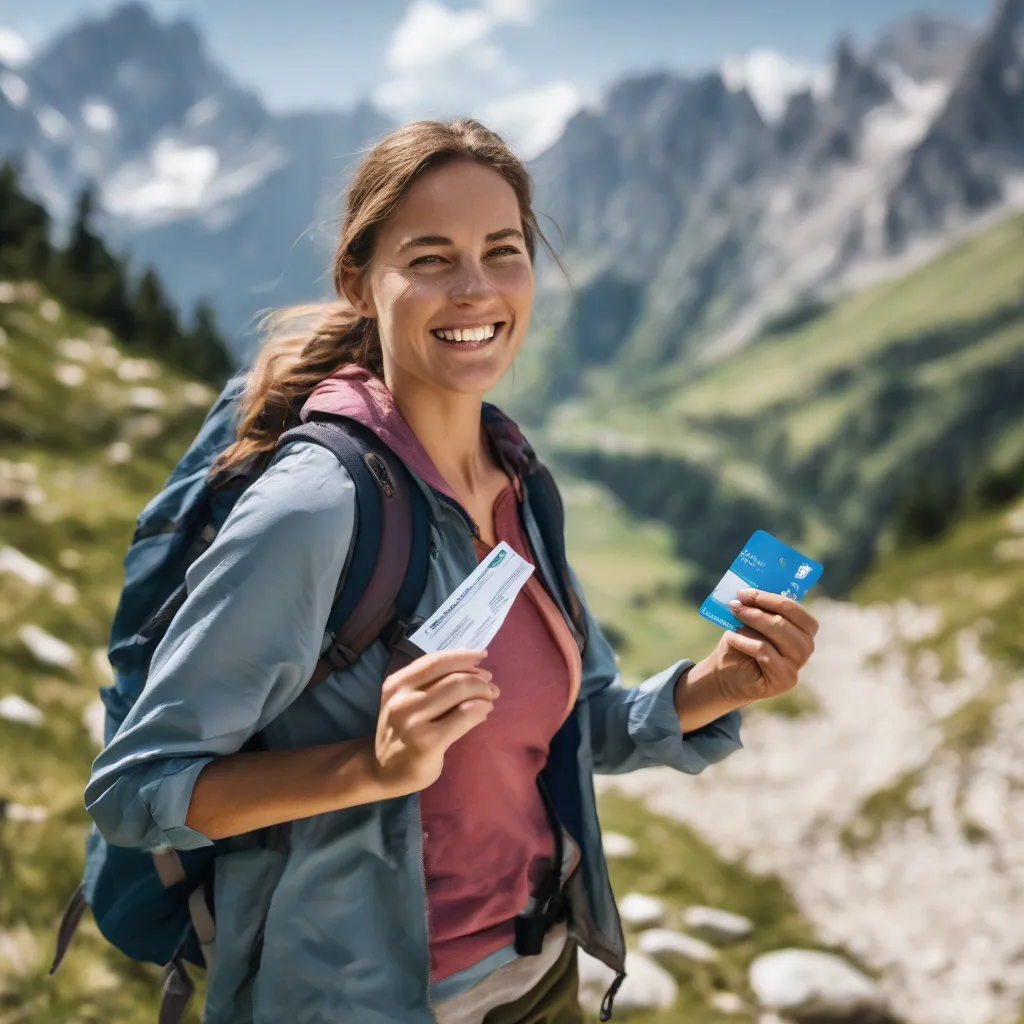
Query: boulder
675	949
17	709
727	1002
812	987
647	986
719	926
147	399
14	562
25	813
617	846
641	911
48	649
93	718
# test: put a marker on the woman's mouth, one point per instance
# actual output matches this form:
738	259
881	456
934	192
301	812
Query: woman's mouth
468	337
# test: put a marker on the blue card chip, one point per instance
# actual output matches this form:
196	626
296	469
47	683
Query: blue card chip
765	563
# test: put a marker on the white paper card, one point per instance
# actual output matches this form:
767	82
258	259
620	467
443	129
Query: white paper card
473	614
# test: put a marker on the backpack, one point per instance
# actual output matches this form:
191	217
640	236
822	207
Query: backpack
156	906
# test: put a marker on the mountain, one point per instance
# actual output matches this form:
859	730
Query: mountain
192	172
689	219
972	156
924	46
854	430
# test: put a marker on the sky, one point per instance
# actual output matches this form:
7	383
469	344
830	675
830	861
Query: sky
521	65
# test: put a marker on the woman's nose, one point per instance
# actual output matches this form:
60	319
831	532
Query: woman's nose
471	283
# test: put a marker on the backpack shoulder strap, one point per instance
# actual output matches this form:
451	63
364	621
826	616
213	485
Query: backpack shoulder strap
386	570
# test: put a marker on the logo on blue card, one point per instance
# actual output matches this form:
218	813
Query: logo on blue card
765	563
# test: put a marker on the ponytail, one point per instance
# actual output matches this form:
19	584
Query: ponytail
290	364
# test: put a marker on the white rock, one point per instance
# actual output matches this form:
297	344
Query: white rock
49	310
138	369
717	925
641	911
675	948
70	559
147	399
78	350
646	987
14	562
26	813
64	593
8	293
17	709
119	452
93	720
807	983
48	649
197	394
71	375
728	1002
617	845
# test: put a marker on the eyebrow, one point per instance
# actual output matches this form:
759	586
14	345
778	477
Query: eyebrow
494	236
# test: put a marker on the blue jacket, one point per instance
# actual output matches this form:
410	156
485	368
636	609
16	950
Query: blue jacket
343	911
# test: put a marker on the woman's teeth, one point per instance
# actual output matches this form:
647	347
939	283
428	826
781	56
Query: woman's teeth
467	333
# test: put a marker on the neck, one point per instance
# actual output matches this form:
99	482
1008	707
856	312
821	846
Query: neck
447	424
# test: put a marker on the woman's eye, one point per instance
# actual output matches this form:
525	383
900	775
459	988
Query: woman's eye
424	261
505	250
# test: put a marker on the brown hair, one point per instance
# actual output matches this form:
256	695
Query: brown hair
306	344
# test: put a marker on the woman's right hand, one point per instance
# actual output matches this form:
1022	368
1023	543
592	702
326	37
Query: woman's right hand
425	707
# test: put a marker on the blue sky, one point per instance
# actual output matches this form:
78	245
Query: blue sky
522	63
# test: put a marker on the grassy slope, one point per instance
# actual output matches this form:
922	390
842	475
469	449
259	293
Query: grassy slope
85	518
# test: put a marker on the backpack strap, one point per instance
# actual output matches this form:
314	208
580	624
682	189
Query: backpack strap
386	570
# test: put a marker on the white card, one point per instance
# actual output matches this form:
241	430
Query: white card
473	614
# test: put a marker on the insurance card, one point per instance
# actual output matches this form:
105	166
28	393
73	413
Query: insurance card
473	614
765	563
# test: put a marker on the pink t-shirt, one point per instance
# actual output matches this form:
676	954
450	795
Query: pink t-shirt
487	838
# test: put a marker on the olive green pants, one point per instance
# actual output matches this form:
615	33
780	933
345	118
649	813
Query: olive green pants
553	1000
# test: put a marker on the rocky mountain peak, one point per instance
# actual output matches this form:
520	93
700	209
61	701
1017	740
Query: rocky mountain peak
137	74
857	84
925	46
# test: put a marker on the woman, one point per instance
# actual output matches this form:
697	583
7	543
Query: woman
418	831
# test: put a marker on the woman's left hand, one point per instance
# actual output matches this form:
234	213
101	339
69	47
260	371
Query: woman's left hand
765	659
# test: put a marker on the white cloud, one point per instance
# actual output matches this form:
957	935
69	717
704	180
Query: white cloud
533	119
437	55
14	88
771	78
53	122
100	117
13	48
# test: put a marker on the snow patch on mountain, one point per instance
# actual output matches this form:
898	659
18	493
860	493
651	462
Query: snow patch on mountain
771	78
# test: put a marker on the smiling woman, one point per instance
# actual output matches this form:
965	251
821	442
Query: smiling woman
444	858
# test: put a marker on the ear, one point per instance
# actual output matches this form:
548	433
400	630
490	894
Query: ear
357	290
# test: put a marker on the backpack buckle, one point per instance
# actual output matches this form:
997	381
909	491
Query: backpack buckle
340	656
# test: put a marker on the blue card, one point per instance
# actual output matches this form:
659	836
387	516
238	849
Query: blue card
765	563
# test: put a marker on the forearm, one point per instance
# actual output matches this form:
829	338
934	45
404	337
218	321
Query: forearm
256	789
700	699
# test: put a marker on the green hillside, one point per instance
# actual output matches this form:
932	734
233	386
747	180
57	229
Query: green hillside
89	433
873	425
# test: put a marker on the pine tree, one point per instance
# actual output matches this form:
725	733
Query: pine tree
207	354
156	323
24	229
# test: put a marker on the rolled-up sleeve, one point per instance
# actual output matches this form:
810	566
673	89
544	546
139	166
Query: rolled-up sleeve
638	727
239	651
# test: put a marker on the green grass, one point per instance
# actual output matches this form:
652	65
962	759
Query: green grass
88	507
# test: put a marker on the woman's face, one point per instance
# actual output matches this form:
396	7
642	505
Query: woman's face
450	282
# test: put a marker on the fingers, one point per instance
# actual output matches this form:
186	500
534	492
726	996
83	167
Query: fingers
793	643
779	670
455	723
420	706
431	667
776	604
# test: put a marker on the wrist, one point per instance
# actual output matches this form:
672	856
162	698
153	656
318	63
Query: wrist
701	696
